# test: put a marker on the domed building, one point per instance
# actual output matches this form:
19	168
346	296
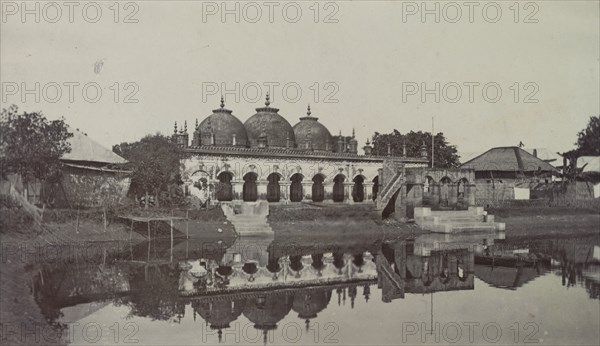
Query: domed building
311	134
267	128
265	158
221	128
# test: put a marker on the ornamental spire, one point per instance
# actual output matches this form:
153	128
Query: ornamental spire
196	127
175	127
222	102
185	126
267	102
308	110
353	133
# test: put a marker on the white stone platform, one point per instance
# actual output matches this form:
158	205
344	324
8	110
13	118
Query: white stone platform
453	221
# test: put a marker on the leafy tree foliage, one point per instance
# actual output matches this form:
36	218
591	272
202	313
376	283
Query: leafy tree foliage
588	139
156	166
445	154
31	145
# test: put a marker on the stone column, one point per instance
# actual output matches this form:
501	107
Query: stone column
284	189
307	191
237	187
261	189
434	191
368	186
348	192
470	192
328	187
452	194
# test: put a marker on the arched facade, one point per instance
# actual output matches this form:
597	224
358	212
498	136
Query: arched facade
266	159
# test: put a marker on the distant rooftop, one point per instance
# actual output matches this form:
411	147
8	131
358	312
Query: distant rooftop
508	159
84	148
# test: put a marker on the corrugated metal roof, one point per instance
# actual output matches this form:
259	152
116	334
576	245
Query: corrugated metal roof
84	148
508	159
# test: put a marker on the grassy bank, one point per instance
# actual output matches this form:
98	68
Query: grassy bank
544	221
335	221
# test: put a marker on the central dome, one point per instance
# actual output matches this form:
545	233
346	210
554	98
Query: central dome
268	123
311	134
224	126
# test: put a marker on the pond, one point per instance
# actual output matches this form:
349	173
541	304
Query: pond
473	288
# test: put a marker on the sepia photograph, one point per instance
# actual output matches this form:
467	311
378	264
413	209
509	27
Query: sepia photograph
303	172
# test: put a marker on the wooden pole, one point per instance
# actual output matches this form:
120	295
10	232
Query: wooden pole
148	229
77	224
187	228
171	240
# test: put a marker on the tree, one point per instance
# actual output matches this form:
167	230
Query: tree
588	139
156	165
31	145
445	154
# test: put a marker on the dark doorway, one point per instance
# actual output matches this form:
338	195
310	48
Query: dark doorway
250	191
296	188
358	190
318	190
338	188
273	191
224	191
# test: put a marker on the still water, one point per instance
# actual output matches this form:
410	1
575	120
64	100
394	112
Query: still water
478	288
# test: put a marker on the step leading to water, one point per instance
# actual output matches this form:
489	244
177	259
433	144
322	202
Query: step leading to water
455	221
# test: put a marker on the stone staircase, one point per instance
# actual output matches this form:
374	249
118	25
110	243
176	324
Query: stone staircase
249	218
388	191
453	221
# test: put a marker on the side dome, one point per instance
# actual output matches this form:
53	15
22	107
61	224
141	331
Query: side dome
221	128
269	126
311	134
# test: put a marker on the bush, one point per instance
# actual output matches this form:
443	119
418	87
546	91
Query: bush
9	202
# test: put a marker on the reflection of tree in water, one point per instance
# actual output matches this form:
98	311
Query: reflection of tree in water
156	292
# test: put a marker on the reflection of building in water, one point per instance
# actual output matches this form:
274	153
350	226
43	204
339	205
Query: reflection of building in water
403	269
507	277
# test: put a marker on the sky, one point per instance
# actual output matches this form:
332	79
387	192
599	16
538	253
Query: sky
368	65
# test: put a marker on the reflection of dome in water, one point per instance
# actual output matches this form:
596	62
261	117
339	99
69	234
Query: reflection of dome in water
219	313
224	126
267	310
309	304
267	122
310	132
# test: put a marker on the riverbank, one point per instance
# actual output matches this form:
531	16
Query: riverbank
547	222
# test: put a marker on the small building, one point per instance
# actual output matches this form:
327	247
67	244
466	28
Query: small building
507	173
92	176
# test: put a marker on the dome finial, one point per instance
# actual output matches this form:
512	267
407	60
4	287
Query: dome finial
175	128
353	133
308	110
222	102
185	126
267	102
